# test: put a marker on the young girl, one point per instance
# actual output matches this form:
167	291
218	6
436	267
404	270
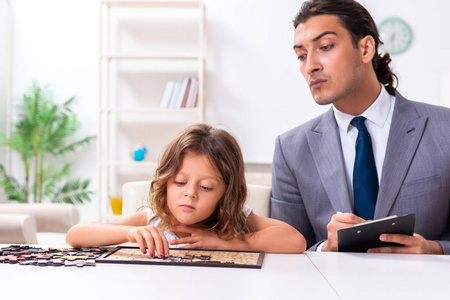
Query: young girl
196	201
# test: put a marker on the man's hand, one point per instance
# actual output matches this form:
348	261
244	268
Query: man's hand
415	244
339	221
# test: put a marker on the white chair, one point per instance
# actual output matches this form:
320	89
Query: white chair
40	224
135	195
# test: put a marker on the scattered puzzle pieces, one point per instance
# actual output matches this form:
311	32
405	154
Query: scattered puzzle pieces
35	256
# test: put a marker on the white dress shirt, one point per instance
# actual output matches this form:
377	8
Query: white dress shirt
378	122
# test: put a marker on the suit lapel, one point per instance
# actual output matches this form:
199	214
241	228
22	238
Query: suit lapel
406	131
326	150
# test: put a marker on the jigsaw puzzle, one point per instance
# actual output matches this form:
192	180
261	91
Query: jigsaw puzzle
187	257
80	257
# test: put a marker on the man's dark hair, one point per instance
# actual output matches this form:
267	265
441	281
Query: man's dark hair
359	23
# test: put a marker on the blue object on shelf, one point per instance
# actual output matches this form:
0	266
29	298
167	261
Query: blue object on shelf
138	152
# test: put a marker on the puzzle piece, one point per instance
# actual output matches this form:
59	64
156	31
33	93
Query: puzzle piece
12	259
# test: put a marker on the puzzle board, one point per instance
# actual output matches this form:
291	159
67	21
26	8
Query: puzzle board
186	257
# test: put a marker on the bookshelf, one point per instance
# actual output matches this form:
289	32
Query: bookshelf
142	45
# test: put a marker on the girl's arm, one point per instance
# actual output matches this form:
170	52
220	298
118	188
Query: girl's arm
273	236
94	234
132	228
270	235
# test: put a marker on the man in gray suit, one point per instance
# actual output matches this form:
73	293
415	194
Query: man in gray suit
336	43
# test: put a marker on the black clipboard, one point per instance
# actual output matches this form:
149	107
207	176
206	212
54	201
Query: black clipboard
364	236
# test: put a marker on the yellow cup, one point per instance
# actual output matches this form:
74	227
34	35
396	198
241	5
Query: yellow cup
116	205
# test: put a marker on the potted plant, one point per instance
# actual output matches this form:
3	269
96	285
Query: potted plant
44	130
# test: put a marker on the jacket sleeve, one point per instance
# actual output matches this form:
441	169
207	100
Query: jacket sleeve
286	203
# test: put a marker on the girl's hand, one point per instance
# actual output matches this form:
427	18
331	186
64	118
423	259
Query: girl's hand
151	238
200	237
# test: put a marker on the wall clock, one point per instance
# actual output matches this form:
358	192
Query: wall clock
396	35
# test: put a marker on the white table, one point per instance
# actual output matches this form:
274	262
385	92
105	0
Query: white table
385	276
283	276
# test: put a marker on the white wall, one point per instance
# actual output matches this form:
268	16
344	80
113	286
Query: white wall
253	86
5	79
56	43
423	66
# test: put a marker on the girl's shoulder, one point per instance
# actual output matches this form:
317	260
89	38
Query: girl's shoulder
247	210
138	218
150	220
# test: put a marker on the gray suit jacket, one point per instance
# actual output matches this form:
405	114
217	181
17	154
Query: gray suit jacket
309	183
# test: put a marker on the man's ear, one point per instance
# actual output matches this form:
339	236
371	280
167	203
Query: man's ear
367	48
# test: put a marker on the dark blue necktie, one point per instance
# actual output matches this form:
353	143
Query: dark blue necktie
365	178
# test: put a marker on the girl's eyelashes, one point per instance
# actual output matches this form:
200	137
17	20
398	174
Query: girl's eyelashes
206	188
182	183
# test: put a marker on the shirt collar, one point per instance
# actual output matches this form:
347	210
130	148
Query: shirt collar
377	113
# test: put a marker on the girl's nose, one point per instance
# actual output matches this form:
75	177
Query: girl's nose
191	191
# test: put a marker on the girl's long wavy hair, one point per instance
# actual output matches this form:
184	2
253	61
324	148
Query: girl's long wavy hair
224	153
359	23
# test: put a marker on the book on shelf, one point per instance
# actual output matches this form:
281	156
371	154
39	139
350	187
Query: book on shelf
176	91
180	94
191	100
186	94
167	94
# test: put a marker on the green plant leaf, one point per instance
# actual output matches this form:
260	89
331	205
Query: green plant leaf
51	179
44	129
74	192
13	190
72	147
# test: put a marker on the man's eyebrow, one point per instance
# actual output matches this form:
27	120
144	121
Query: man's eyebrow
317	38
322	35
